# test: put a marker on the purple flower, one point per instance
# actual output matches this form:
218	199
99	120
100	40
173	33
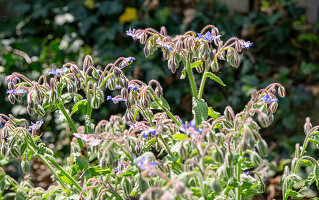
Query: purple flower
58	72
127	62
166	46
17	91
115	100
247	173
132	87
35	126
1	125
189	125
148	132
143	163
245	44
208	36
268	99
90	139
134	33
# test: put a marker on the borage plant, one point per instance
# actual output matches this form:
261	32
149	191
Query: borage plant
149	153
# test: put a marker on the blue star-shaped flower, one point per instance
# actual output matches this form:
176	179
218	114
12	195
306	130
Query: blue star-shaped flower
133	33
1	125
115	100
268	99
35	126
143	162
17	91
148	132
246	44
208	36
58	72
166	46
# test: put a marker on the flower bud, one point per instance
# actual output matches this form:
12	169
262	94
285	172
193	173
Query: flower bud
40	110
216	186
127	186
172	66
263	120
129	116
143	38
273	107
75	69
307	126
95	102
256	159
158	92
12	98
179	188
124	93
147	51
262	148
11	86
214	66
221	55
14	152
117	72
200	68
183	153
70	87
95	74
125	82
30	110
39	95
232	57
281	91
111	83
53	96
25	166
229	113
218	155
229	159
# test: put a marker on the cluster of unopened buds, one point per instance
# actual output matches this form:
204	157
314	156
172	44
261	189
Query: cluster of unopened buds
149	153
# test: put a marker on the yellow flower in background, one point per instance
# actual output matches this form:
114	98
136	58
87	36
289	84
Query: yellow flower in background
89	4
129	15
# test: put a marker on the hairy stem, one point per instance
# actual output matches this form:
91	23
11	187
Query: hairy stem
191	79
166	146
167	112
70	122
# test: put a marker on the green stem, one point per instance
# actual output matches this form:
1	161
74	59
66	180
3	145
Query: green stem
191	79
238	176
166	146
88	109
70	122
202	84
42	158
167	111
52	161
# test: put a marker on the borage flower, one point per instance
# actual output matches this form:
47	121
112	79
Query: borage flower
58	72
146	133
35	126
127	62
208	36
17	91
115	99
143	163
267	99
134	33
245	44
190	128
164	45
90	139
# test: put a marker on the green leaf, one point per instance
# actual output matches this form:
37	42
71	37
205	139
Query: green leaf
95	171
310	179
200	110
129	172
179	136
316	171
294	194
213	114
313	141
197	63
215	78
67	98
78	105
162	101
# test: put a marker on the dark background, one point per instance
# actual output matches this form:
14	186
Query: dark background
38	35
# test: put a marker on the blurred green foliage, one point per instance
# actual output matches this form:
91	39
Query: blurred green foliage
38	35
